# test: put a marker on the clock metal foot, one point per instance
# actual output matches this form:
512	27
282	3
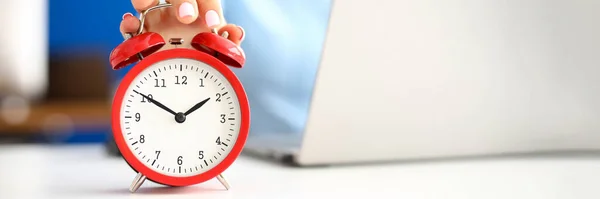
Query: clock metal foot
137	182
223	181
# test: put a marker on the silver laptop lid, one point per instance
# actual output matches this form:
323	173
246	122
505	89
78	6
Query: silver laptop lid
409	79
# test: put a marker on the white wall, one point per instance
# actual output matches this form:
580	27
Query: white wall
23	47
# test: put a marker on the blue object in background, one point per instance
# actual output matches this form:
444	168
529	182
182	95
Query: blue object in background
87	27
77	26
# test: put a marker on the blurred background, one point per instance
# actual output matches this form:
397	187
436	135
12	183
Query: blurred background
55	79
56	83
57	86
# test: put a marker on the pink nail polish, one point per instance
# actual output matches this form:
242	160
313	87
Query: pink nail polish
212	18
186	9
126	15
243	33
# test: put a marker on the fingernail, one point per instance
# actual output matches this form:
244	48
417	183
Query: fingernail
212	18
126	15
186	9
243	33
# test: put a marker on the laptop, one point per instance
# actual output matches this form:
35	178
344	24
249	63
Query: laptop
449	79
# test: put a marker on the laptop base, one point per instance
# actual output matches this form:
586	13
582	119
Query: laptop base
282	148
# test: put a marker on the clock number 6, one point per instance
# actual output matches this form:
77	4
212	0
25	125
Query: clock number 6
179	160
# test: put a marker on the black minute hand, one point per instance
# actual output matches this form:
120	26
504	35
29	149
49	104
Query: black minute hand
156	103
197	106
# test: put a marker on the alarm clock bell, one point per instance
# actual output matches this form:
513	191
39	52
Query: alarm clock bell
142	46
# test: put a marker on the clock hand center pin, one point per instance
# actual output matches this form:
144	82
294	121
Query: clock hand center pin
180	117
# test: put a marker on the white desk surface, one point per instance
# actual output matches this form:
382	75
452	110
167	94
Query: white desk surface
86	171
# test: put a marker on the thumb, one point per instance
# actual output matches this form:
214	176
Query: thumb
186	11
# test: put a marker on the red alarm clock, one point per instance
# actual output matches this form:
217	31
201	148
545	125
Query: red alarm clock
180	116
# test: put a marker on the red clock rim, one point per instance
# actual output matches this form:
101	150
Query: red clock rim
170	54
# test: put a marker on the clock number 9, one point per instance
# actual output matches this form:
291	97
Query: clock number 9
179	160
138	117
201	155
144	99
222	118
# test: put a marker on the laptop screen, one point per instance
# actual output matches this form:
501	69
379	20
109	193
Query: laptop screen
283	45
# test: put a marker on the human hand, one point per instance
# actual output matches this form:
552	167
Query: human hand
184	19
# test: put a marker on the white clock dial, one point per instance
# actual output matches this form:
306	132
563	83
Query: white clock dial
180	148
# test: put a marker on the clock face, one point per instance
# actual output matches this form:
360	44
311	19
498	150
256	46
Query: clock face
180	117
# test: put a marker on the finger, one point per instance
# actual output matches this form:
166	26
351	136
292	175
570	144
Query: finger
211	12
236	33
129	24
186	11
141	5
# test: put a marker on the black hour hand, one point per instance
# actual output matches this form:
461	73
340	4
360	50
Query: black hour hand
156	103
197	106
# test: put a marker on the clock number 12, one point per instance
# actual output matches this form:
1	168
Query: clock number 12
181	80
